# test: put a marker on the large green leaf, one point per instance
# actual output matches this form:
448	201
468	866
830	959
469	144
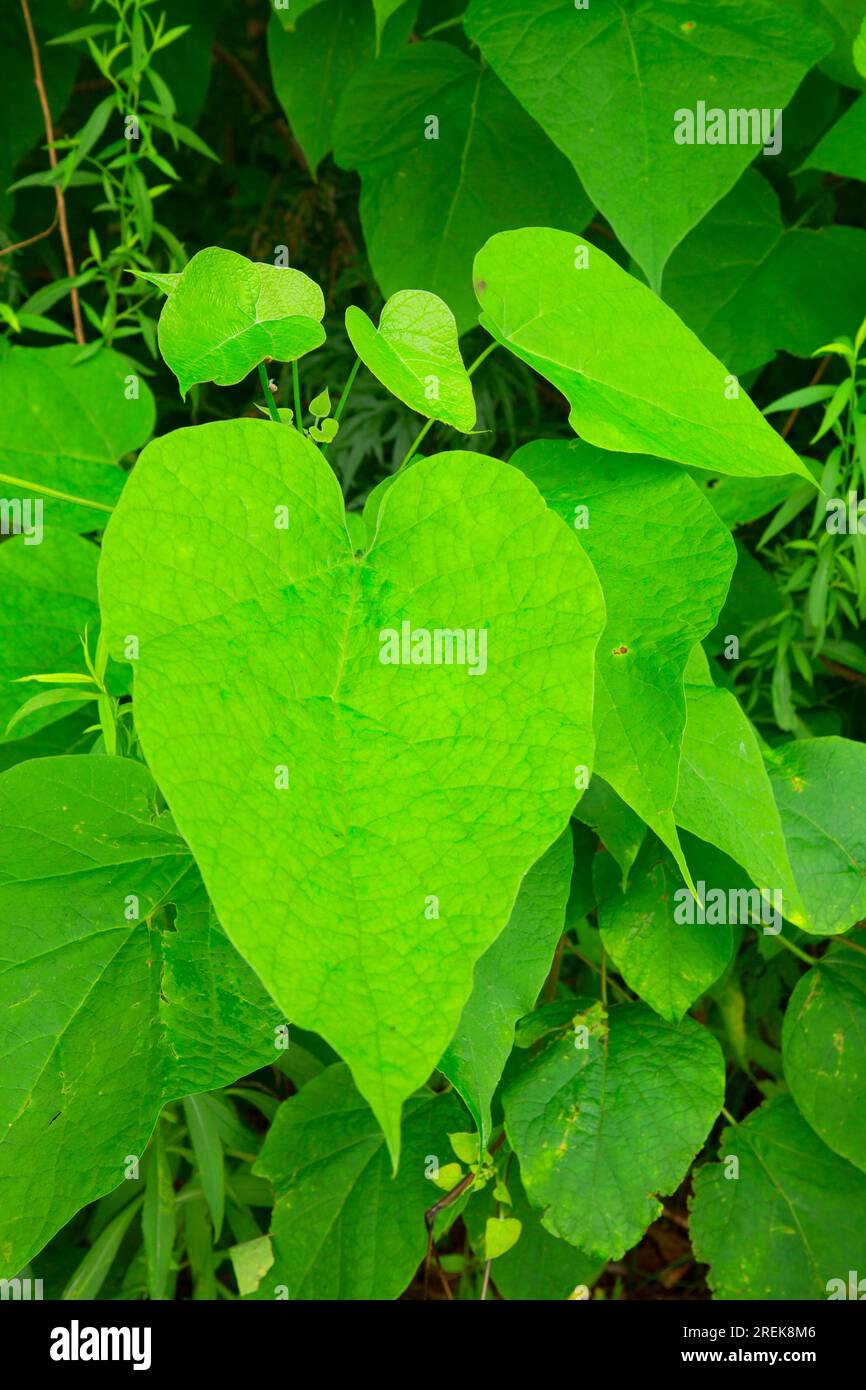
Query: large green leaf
343	1227
508	978
540	1267
67	426
749	287
311	65
725	796
106	1015
824	1043
608	83
842	151
349	815
47	598
615	823
599	1129
842	20
787	1219
637	380
415	353
226	314
818	785
667	961
663	592
430	196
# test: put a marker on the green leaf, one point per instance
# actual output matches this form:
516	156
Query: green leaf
616	825
266	657
539	1267
208	1150
415	353
288	12
159	1217
824	1048
725	796
791	1220
750	288
663	592
343	1227
431	194
668	962
93	1270
164	282
508	978
842	151
105	1016
67	426
311	65
501	1234
226	314
818	785
841	19
320	405
600	1128
623	80
653	389
251	1262
47	598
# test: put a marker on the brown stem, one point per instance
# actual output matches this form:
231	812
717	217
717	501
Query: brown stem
19	245
261	99
52	158
819	372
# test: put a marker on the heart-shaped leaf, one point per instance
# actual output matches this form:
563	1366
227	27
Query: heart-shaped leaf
226	314
343	1226
824	1045
788	1219
415	353
507	980
637	380
105	1016
426	132
327	728
608	1115
67	426
663	591
614	85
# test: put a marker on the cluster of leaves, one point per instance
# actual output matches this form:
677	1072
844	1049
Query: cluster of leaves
458	900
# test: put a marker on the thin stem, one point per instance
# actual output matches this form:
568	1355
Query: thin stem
52	159
603	976
843	941
810	960
422	434
296	389
341	404
446	24
269	395
729	1117
19	245
30	486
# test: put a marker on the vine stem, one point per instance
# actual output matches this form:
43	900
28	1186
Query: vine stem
296	390
422	434
30	486
729	1117
52	159
810	960
269	395
341	404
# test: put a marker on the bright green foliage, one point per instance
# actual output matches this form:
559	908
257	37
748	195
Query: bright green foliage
611	97
668	963
842	19
664	560
725	796
47	598
602	1120
539	1267
312	66
749	287
431	194
106	1014
67	426
226	314
619	829
818	785
508	978
825	1051
559	303
343	1227
260	682
842	151
794	1217
415	353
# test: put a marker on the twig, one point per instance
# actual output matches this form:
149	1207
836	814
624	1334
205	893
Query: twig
816	377
19	245
261	100
52	159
